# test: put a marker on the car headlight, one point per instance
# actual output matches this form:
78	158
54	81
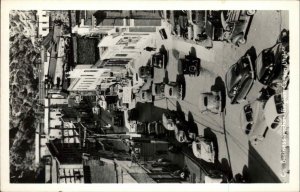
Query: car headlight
234	89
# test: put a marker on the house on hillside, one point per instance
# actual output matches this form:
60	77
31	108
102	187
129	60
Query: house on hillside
43	23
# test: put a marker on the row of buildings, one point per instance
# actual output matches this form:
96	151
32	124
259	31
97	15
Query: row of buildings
89	81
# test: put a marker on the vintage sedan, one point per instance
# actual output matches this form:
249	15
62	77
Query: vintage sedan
253	122
204	149
170	120
239	79
158	89
183	132
145	72
180	135
145	96
272	66
158	60
173	90
236	25
190	65
276	111
210	102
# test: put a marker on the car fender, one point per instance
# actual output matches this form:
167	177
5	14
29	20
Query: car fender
237	39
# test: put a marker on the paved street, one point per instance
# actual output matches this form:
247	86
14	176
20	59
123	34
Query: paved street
259	163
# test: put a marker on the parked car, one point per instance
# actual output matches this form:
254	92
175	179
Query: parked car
215	176
173	90
158	89
158	60
190	65
204	149
272	66
145	72
236	24
145	96
239	79
210	102
170	120
181	173
253	122
183	133
155	128
276	111
180	135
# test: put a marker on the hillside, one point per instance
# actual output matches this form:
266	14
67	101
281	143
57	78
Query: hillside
24	57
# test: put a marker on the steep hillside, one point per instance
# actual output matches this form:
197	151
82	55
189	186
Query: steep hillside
24	57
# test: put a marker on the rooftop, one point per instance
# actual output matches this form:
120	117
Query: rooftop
85	50
101	172
66	153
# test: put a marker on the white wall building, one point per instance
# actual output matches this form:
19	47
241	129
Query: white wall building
86	79
43	23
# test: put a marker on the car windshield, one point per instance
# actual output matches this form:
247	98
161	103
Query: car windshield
265	60
233	76
275	123
199	147
170	91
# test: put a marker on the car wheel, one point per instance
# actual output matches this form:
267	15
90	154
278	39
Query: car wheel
238	39
241	41
250	12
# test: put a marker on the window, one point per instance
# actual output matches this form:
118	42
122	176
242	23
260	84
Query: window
129	47
121	55
88	81
170	91
205	101
90	70
44	29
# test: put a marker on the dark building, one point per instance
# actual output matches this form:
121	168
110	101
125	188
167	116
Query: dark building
85	50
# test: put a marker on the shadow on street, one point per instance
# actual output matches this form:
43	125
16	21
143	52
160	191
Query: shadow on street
180	79
192	125
146	112
180	111
224	166
166	78
193	52
175	53
164	51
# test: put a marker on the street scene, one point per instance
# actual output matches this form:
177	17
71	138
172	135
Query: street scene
162	96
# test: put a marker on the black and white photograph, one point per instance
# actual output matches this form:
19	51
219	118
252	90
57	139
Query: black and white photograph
136	96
